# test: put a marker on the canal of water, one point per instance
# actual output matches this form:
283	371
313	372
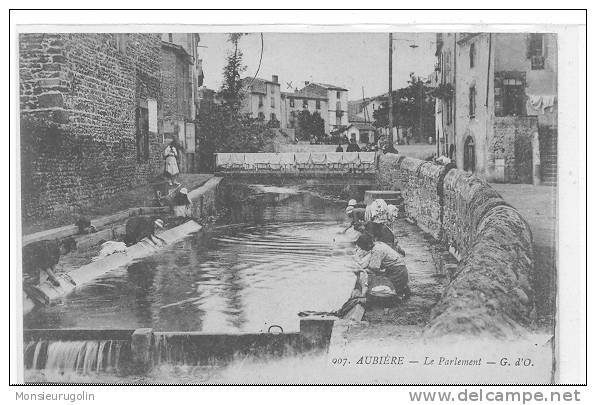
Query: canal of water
275	252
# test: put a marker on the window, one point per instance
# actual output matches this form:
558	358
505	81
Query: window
318	104
170	39
472	101
469	155
510	94
536	51
291	102
272	102
261	116
338	95
260	100
449	112
305	103
272	117
142	119
513	97
472	55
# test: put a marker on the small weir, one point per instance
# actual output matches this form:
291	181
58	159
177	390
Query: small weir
78	356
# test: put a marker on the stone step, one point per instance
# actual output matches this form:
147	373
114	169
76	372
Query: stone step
390	197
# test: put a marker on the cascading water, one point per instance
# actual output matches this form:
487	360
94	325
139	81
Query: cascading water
81	357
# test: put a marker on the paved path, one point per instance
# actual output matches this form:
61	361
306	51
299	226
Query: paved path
537	204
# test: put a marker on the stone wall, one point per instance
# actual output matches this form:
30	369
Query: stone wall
420	183
79	95
510	149
491	293
466	198
491	290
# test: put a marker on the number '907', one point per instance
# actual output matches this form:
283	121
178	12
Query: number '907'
339	361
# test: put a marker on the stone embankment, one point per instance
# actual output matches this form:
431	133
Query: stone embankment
204	205
491	291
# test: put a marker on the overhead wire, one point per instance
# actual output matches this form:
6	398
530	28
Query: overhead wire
259	67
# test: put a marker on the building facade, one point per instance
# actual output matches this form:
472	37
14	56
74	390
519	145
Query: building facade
181	77
301	100
498	102
262	98
363	110
337	100
91	112
362	132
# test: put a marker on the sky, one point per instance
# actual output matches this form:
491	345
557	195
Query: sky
349	60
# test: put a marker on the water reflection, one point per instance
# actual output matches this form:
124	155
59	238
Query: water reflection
286	258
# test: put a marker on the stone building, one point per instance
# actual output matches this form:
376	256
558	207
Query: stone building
363	110
262	98
337	101
503	108
304	99
91	108
362	132
181	77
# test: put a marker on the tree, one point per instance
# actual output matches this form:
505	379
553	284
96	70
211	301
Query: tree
221	129
231	88
309	125
317	125
413	106
224	128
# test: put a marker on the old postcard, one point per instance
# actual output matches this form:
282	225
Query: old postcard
258	206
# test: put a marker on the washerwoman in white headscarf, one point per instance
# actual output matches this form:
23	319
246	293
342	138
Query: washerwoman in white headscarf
378	217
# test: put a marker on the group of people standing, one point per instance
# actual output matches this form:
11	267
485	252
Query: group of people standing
377	249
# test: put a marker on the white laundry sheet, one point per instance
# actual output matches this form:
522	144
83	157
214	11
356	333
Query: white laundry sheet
350	157
334	157
367	157
252	159
318	157
287	158
222	159
302	158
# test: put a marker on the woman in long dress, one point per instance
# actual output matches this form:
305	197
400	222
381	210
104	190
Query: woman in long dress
170	155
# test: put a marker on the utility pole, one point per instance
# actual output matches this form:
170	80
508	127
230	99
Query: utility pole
391	86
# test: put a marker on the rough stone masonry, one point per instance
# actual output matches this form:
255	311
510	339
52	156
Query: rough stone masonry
81	99
491	292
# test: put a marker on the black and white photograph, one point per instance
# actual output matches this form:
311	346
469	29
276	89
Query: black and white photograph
252	205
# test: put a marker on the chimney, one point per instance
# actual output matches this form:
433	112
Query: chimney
274	78
306	83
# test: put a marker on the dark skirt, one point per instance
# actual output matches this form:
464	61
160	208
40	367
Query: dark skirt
398	275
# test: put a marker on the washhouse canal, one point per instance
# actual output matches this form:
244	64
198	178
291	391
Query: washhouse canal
273	252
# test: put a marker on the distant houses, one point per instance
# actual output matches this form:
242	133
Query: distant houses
263	99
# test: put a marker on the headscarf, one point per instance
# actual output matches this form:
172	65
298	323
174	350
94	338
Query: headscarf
377	212
392	212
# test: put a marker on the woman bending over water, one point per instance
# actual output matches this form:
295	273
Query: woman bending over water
385	261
